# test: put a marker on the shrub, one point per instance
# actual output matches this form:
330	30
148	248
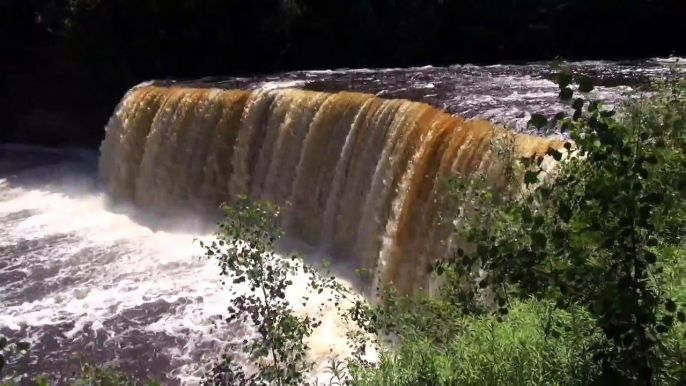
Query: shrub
246	251
597	234
515	350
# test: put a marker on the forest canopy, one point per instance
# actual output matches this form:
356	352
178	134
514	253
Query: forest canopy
86	53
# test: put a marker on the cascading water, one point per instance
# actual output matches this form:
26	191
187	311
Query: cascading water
358	175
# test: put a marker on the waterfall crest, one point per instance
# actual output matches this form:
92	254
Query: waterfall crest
357	175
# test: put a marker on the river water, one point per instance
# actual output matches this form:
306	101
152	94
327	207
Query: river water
84	281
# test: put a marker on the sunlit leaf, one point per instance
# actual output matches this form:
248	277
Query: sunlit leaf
585	84
538	121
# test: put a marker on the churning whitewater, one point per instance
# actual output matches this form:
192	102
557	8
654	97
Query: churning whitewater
96	250
109	283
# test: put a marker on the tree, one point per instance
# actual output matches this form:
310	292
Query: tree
593	231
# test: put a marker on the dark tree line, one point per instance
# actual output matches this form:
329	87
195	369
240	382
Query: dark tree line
64	54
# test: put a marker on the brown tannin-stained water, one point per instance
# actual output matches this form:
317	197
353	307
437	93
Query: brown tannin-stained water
88	265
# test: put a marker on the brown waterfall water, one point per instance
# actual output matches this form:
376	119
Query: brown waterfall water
358	176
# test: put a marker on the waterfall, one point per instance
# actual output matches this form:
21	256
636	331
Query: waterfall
358	176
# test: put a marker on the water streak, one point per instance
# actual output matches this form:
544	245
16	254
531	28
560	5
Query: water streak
359	175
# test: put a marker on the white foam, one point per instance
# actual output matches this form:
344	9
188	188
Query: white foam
273	85
112	265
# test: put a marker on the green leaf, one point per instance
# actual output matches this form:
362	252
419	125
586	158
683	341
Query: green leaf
650	258
481	250
578	103
593	106
577	114
668	320
527	216
566	94
555	154
607	113
670	305
564	79
530	177
654	198
585	84
599	356
538	121
566	126
609	243
559	234
560	303
539	239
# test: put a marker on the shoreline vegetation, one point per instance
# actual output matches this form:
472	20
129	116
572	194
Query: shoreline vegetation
582	268
571	276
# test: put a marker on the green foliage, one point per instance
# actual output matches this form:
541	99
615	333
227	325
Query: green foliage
534	344
246	252
593	231
438	343
245	249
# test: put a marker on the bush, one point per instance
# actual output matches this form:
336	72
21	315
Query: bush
597	231
438	344
515	350
277	353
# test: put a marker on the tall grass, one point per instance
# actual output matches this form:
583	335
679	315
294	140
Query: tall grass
516	349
